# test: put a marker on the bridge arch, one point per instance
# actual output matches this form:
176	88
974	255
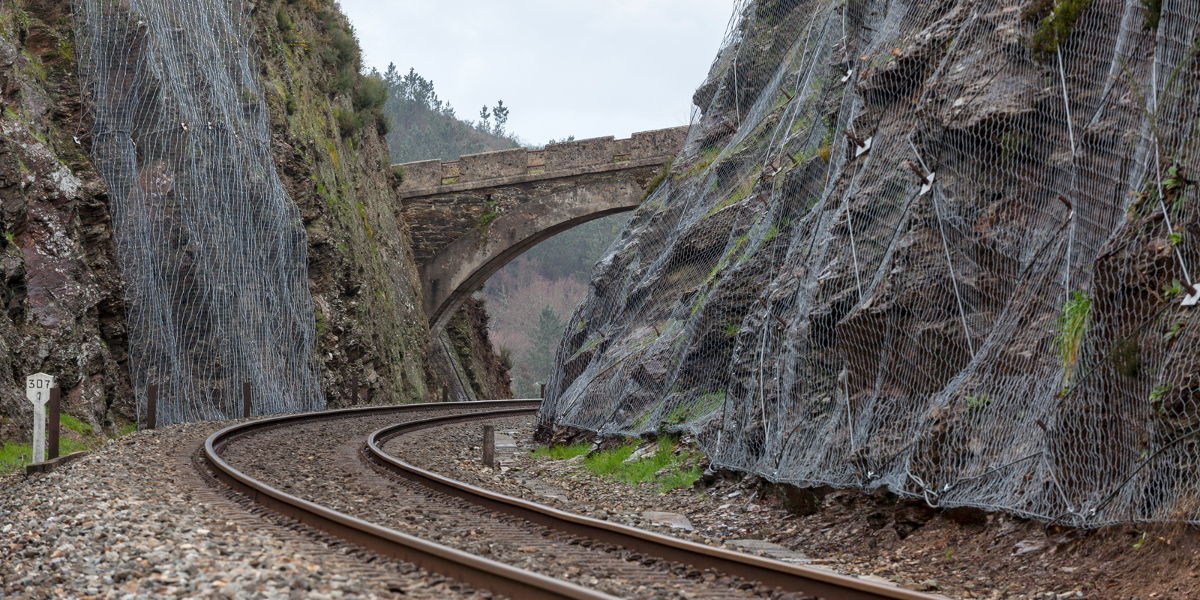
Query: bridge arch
471	217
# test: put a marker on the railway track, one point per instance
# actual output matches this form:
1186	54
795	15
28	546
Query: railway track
329	471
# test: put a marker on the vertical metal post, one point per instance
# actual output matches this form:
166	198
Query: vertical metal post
489	446
152	406
246	399
543	386
54	408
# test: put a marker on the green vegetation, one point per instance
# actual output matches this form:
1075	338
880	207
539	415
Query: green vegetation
1156	396
977	401
1173	331
608	462
1055	20
738	194
1071	326
658	178
562	452
706	158
1153	13
706	404
426	127
14	456
681	477
489	214
75	425
668	466
1173	290
1174	184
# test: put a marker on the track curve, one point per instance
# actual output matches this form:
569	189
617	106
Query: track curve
490	574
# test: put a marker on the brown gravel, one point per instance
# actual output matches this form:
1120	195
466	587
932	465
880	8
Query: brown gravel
962	554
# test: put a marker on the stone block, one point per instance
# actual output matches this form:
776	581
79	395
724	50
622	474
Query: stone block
537	158
490	165
421	175
659	142
580	153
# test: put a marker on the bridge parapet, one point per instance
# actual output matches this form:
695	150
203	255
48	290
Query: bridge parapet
520	165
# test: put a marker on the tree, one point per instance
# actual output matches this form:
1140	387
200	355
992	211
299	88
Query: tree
485	113
501	114
544	341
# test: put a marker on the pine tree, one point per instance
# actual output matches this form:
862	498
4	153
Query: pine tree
501	115
540	356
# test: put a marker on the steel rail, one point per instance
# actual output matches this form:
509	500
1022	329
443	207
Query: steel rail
794	578
465	567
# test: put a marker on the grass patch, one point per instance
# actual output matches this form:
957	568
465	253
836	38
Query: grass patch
1071	326
74	424
665	467
679	478
608	462
562	451
14	457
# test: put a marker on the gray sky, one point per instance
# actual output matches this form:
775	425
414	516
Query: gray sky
586	68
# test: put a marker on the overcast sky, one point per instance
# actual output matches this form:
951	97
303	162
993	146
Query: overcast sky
586	68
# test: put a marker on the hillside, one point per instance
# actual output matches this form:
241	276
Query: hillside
938	248
74	292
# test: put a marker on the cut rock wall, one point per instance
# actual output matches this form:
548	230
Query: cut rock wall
942	248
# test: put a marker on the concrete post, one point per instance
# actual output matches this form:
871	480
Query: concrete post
489	446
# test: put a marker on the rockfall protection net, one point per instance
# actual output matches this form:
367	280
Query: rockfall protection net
944	247
212	250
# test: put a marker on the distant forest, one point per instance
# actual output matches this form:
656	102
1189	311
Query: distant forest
530	299
425	127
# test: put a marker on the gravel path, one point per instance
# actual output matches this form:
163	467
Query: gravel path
970	556
135	519
320	462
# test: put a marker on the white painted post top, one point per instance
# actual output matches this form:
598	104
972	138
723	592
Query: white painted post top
37	388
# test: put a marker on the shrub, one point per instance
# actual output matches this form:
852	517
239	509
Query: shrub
349	121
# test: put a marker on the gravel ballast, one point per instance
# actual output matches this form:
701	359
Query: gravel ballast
135	519
320	462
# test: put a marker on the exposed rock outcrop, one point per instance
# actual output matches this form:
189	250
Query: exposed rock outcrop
938	247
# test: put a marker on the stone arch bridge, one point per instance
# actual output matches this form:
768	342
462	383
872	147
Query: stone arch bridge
472	216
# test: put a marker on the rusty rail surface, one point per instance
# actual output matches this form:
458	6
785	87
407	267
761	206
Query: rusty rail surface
794	578
467	568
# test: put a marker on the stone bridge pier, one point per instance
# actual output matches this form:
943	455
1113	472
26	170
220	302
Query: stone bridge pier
472	216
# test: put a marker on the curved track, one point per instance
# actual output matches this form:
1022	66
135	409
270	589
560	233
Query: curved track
628	552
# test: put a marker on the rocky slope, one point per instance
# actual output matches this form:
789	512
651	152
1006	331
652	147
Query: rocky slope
935	247
64	309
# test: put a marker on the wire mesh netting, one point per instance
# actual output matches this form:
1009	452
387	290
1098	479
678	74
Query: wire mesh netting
943	247
212	250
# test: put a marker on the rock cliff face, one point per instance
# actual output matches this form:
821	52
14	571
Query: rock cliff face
64	310
939	247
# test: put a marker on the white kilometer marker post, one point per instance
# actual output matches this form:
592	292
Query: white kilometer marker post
37	389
